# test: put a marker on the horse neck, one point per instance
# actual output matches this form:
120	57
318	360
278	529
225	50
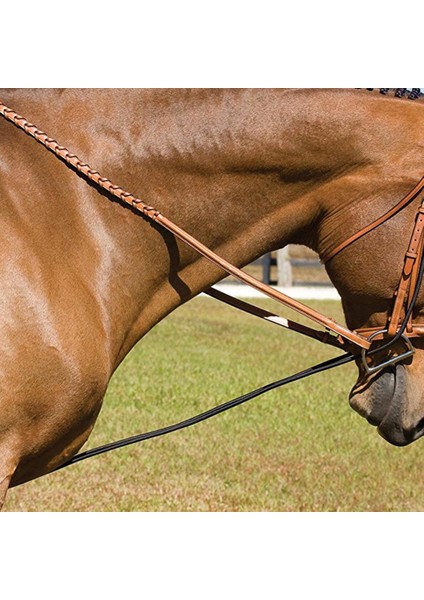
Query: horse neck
222	184
244	171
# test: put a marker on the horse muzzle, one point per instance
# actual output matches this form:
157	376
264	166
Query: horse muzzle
391	402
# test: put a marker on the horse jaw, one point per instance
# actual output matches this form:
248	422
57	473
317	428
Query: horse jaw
393	401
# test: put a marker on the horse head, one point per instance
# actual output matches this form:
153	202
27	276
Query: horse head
389	391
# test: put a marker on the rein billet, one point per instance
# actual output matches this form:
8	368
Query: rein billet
352	341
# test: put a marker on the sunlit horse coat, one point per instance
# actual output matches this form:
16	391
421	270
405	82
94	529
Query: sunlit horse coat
246	171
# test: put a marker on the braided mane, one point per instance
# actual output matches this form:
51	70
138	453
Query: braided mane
410	93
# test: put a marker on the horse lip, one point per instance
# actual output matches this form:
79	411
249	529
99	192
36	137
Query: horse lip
396	438
394	406
383	386
390	427
373	421
386	413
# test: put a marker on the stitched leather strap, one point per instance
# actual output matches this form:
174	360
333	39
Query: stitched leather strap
409	268
414	282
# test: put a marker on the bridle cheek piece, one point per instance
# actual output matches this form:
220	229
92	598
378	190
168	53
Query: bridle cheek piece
357	343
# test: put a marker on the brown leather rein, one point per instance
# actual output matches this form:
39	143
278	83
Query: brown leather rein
354	341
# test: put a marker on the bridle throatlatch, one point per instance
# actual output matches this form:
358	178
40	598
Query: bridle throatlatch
357	343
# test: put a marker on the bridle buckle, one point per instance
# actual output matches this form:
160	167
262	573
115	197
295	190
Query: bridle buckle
410	351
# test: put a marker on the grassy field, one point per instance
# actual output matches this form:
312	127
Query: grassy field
300	448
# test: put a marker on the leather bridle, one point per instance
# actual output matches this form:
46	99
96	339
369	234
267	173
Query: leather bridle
399	324
357	343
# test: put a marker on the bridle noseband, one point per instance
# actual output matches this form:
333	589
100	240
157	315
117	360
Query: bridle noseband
357	343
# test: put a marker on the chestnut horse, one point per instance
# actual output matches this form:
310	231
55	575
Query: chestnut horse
83	278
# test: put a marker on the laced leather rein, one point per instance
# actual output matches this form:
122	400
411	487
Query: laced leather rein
356	343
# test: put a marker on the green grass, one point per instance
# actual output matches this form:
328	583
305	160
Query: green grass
300	448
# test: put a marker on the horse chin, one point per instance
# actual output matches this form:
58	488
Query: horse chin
383	401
